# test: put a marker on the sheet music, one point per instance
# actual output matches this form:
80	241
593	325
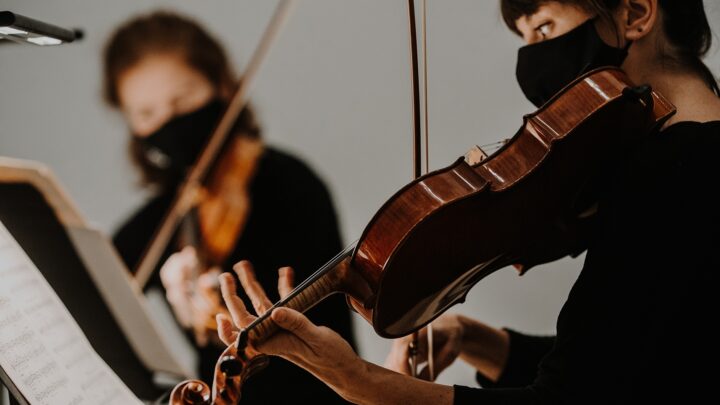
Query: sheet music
42	349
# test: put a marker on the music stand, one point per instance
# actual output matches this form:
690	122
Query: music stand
89	277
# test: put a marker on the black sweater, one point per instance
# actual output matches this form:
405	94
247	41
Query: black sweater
292	222
634	328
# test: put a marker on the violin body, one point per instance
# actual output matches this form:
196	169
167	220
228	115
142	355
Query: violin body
444	232
224	204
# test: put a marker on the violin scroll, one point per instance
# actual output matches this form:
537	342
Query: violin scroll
190	392
231	371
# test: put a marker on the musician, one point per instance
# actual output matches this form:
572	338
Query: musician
172	80
634	327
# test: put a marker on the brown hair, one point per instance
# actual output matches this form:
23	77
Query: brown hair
167	32
685	25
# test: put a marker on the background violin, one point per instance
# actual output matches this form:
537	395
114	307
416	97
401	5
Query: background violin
442	233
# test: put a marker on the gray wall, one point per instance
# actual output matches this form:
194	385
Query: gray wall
335	91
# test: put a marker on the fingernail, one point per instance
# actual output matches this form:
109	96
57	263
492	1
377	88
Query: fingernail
223	282
279	315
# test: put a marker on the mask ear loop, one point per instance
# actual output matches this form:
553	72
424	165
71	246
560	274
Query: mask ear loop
627	48
624	49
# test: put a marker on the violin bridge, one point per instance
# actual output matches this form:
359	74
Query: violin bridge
475	155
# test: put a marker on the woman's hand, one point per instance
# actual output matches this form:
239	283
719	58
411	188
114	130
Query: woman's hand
447	344
195	301
317	349
320	350
482	346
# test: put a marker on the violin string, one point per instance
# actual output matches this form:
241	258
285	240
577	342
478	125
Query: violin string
490	148
322	270
295	291
492	144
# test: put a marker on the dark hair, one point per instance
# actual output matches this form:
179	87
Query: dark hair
684	22
167	32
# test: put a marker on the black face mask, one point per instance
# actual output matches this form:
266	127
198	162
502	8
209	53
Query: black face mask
543	69
176	145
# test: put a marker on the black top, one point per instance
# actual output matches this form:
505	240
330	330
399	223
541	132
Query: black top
292	222
634	328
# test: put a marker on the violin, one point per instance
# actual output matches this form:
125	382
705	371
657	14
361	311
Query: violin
222	208
439	235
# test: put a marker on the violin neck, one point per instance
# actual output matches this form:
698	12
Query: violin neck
332	278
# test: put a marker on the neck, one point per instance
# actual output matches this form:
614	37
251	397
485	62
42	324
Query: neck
694	100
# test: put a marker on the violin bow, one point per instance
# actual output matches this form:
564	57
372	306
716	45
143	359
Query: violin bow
417	150
190	189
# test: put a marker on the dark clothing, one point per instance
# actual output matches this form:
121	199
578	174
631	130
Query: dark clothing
634	327
522	362
292	222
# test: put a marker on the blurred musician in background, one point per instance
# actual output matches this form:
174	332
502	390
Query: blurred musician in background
171	81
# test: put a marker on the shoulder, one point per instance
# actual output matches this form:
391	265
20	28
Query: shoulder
688	150
287	172
279	161
692	139
140	225
150	211
681	154
668	177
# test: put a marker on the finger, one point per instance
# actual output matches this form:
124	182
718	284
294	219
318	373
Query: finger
182	308
210	278
189	259
444	358
295	323
201	337
226	331
237	309
397	359
207	285
286	281
180	300
421	345
189	250
254	290
202	308
177	268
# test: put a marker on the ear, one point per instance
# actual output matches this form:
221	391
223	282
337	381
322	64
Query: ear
638	18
